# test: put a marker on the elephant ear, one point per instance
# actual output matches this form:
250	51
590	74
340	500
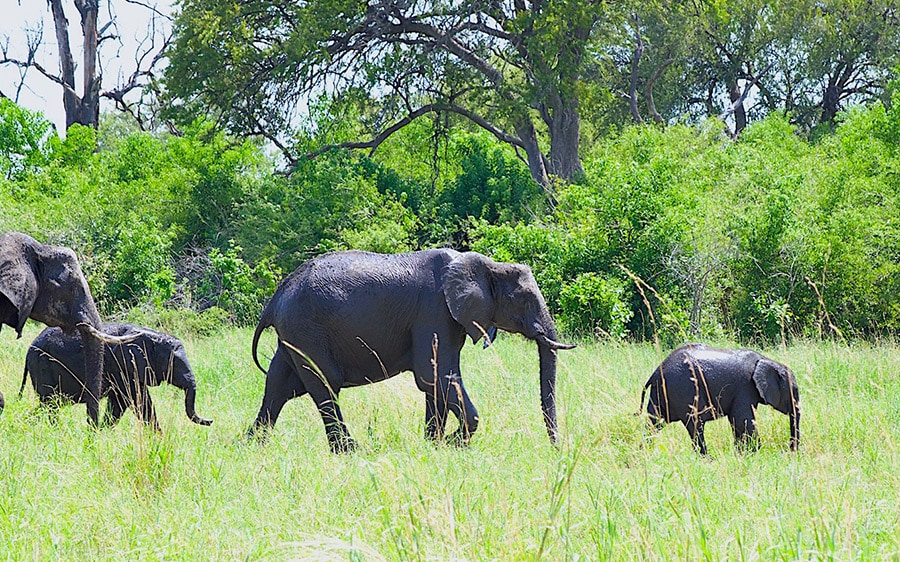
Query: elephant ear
467	290
770	381
18	286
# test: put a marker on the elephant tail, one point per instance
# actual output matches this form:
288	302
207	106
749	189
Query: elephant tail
265	321
644	393
24	380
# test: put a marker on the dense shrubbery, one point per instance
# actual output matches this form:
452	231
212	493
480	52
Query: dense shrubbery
677	232
767	237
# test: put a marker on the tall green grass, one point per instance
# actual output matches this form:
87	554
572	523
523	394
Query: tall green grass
609	492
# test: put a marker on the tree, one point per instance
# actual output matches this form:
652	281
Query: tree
513	68
82	105
851	48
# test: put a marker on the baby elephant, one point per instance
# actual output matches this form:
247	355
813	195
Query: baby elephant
696	383
56	363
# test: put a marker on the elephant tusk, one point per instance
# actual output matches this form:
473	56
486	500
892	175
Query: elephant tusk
554	345
106	338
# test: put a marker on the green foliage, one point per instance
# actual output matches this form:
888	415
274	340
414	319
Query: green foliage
764	238
492	185
235	287
592	306
24	140
139	265
328	203
183	321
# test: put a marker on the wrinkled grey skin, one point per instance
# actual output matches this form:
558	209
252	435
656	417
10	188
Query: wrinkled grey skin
353	318
696	384
45	283
55	361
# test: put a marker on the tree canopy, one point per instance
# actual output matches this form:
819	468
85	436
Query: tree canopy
531	73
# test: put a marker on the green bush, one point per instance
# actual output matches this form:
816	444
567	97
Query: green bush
25	138
182	322
235	287
140	269
592	306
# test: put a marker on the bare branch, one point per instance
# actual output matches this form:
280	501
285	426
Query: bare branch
376	141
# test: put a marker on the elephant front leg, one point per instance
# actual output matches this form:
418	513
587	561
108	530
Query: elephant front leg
435	418
450	396
145	411
695	429
743	425
115	407
459	403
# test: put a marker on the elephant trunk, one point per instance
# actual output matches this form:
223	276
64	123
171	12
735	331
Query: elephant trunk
547	348
795	427
548	390
190	394
93	374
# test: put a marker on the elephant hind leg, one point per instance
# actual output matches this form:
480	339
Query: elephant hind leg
282	384
322	381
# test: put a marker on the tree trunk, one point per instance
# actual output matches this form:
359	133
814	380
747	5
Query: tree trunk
71	102
90	98
740	114
85	109
565	130
536	163
830	102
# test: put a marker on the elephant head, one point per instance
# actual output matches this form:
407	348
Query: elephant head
179	374
482	293
167	361
778	388
45	283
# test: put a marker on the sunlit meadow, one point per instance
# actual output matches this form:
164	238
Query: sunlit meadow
608	492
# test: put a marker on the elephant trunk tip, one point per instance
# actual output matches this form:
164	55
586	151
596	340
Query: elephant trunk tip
201	420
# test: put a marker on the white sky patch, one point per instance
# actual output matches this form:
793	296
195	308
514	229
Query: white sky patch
20	19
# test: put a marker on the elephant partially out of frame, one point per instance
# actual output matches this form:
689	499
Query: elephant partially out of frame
45	283
352	318
54	361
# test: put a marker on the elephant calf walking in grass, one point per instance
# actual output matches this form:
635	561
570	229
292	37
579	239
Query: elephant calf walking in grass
696	384
55	362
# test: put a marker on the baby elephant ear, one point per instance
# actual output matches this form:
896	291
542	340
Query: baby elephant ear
770	381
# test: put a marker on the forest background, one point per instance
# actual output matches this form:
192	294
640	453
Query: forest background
674	171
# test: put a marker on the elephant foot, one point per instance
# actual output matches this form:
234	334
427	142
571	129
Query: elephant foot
258	433
459	439
341	444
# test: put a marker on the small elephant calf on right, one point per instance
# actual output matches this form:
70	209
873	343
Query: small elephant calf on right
696	384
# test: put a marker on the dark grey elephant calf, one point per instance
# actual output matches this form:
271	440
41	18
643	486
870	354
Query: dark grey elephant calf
696	384
55	361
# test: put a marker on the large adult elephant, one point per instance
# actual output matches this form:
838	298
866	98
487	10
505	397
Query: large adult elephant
45	283
353	318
